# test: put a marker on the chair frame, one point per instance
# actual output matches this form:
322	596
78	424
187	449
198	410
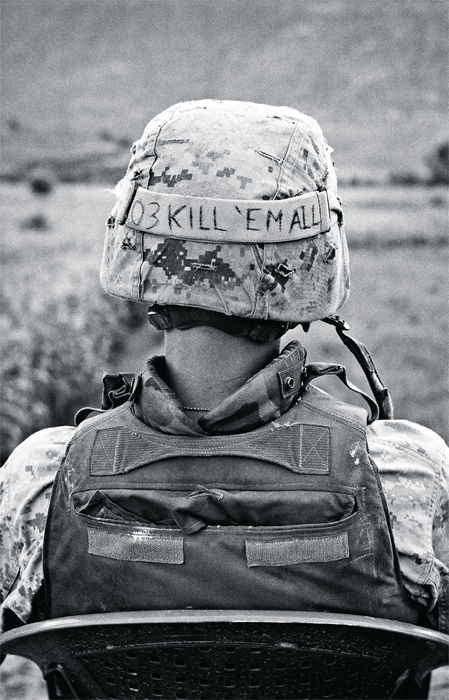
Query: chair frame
63	648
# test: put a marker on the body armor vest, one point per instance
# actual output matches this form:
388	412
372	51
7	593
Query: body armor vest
289	516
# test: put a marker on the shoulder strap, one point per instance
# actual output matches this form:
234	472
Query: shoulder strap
363	357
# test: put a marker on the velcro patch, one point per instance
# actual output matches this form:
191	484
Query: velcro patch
227	220
119	450
297	551
136	546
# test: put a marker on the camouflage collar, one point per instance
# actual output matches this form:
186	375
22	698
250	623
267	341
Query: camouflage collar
263	398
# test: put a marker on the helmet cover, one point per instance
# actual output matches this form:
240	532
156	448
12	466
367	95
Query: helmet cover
216	211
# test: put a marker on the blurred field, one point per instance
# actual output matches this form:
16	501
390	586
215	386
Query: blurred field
21	680
59	330
51	298
398	242
374	74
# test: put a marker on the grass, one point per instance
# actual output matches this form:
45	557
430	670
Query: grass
398	303
399	310
59	330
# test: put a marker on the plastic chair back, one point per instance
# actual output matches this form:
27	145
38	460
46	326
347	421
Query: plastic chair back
183	654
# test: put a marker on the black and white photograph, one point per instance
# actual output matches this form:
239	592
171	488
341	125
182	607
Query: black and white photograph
224	364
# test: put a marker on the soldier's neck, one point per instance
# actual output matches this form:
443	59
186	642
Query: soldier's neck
205	366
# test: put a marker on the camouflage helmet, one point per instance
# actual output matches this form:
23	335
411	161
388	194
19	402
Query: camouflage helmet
230	207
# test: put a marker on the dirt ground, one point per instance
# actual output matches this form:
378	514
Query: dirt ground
21	680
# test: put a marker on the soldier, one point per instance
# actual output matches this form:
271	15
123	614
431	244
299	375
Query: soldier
220	477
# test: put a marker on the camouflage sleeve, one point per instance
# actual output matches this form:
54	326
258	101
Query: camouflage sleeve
26	481
413	465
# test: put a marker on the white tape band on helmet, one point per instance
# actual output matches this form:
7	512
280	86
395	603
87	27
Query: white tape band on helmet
235	221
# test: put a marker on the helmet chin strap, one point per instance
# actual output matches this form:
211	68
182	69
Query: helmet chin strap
363	357
183	317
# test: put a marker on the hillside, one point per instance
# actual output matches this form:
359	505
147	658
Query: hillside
84	76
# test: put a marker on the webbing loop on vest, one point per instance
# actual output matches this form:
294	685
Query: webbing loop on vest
363	357
321	369
118	388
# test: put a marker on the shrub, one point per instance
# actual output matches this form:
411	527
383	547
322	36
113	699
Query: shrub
438	164
405	179
54	357
35	222
41	181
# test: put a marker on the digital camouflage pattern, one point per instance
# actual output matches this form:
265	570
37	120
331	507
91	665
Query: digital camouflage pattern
237	151
413	463
26	482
